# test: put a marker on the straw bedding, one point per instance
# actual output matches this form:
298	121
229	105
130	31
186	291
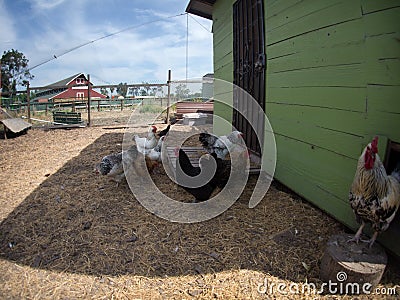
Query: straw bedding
69	233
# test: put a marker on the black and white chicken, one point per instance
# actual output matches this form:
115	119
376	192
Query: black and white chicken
112	165
224	144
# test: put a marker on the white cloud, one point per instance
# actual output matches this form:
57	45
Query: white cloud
8	34
46	4
144	53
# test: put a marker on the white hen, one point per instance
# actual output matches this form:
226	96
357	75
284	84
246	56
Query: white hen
229	143
145	144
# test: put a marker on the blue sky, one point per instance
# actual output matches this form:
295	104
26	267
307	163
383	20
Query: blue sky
157	42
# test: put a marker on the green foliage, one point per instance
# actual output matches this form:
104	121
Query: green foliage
104	91
122	89
14	71
181	91
149	108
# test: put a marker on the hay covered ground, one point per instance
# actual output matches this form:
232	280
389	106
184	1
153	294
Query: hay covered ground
67	233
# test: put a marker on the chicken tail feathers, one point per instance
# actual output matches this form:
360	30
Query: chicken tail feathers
396	172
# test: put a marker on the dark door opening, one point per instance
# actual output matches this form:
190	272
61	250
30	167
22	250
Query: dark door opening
249	70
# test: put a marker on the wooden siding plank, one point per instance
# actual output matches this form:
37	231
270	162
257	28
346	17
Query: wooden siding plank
311	16
383	46
382	22
351	75
384	99
224	72
341	143
384	124
325	170
318	57
335	120
369	6
222	14
336	36
226	60
274	8
298	10
223	49
383	71
343	98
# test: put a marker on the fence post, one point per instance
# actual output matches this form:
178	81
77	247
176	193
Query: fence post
28	99
169	95
89	101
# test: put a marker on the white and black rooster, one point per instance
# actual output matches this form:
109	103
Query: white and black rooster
374	196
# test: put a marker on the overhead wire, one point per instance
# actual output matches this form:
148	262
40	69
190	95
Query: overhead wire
103	37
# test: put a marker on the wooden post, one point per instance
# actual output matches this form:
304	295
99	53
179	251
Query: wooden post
169	95
28	99
122	104
89	101
98	105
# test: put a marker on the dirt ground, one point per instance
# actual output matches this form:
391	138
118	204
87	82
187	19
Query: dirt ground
67	233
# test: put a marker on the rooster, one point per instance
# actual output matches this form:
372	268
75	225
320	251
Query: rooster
112	165
374	196
145	144
222	145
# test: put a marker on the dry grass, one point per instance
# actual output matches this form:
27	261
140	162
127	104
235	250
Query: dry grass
66	233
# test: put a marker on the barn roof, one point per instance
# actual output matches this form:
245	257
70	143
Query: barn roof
66	81
202	8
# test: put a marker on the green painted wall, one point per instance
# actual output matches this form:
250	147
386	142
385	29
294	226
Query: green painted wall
333	82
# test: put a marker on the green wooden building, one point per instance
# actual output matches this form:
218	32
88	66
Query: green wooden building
327	74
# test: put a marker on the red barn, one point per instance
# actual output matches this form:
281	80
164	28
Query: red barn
71	88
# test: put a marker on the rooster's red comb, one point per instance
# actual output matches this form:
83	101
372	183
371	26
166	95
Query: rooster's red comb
374	145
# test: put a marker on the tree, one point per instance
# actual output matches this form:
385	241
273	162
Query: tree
182	91
122	89
14	71
104	91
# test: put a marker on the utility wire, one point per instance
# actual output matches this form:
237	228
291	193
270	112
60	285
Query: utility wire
103	37
205	28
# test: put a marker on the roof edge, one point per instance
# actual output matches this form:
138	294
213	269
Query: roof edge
201	8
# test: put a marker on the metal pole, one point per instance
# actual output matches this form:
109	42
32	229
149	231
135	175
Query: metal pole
89	101
169	95
28	99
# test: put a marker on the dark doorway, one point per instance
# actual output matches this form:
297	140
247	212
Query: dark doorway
249	70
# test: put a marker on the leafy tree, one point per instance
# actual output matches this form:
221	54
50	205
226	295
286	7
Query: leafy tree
122	89
143	91
14	71
104	91
182	91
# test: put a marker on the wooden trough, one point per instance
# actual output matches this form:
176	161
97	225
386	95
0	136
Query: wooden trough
15	125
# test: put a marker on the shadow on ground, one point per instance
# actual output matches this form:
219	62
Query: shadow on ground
78	222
